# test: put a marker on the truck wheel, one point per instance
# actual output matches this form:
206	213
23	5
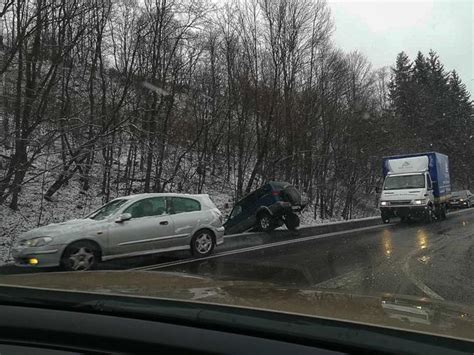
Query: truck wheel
292	221
444	213
264	222
429	215
385	218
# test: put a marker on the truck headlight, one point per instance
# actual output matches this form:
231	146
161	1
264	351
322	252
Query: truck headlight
419	202
383	203
461	199
38	242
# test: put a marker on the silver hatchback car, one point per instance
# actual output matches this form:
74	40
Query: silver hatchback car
127	226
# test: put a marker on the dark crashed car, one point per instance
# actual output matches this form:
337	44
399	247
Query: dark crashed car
269	207
461	199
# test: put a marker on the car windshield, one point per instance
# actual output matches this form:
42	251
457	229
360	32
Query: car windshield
106	210
460	194
298	156
404	182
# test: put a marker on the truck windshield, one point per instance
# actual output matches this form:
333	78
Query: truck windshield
404	182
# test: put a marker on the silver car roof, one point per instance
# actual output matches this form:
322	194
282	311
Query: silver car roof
164	194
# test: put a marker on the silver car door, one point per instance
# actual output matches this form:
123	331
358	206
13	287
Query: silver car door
150	223
186	214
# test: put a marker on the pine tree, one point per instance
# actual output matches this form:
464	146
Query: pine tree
438	121
399	87
432	110
401	94
462	125
420	96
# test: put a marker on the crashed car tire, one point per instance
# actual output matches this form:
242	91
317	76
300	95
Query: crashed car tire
292	221
265	222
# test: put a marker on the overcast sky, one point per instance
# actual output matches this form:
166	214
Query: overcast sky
382	28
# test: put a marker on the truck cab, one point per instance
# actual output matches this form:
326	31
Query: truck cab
415	186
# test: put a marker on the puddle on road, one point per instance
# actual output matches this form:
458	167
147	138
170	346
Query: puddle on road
422	238
387	242
424	259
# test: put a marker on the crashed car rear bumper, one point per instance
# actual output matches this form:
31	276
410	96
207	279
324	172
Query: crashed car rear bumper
281	208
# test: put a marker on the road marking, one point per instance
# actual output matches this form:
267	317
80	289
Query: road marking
351	278
259	247
246	234
418	283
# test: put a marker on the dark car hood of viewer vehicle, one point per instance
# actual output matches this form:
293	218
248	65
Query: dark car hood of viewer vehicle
386	310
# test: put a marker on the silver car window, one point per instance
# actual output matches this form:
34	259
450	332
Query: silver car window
154	206
106	210
182	204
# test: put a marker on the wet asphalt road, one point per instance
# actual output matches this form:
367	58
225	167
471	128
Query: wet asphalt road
436	260
232	243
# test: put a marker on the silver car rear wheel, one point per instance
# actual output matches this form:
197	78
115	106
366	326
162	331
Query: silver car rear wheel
202	243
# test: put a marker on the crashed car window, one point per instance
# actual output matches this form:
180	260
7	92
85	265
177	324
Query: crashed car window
310	157
236	211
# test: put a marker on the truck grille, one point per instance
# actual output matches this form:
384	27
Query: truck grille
399	203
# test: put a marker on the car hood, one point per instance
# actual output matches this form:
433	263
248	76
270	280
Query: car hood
386	310
55	229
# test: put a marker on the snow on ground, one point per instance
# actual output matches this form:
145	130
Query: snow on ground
68	203
34	211
71	202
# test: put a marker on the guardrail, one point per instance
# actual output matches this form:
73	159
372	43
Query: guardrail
333	227
317	229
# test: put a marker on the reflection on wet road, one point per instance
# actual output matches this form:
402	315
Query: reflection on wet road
436	260
433	260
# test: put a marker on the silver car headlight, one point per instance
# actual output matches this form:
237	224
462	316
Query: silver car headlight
384	203
38	242
419	202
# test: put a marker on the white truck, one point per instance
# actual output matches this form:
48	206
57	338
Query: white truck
415	186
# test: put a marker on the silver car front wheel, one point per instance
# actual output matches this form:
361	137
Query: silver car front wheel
80	256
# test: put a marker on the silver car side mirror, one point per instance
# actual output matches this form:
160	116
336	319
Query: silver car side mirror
123	217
